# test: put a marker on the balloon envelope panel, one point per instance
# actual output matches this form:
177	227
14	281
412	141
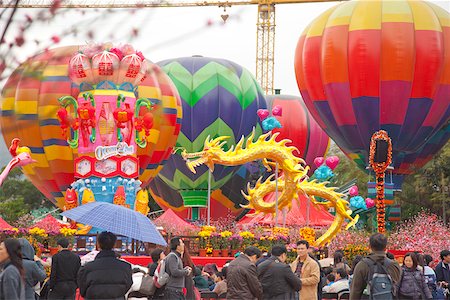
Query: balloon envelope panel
362	66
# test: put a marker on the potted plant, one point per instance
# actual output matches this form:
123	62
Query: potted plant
225	235
203	241
235	243
248	238
215	239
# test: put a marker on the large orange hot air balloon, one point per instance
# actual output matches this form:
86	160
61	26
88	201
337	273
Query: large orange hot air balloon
363	66
29	105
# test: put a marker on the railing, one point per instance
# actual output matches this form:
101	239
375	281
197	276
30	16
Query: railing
127	246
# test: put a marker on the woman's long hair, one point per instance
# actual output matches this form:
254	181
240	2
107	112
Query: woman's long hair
187	260
15	254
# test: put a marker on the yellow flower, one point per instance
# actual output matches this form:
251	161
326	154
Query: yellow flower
204	234
209	228
247	235
280	231
226	234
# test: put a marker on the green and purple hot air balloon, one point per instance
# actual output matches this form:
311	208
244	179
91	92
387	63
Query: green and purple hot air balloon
219	98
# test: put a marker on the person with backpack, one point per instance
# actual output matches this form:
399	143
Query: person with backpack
430	276
170	272
412	285
376	271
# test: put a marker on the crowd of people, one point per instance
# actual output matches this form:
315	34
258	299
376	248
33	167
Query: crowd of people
251	275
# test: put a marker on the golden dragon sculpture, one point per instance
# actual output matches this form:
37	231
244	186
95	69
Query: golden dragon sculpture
294	177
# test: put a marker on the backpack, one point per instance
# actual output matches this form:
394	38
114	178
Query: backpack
380	282
161	276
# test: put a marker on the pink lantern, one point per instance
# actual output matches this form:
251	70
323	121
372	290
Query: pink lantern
370	203
80	69
129	69
354	191
105	65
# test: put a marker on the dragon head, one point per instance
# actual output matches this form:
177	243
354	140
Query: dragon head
208	156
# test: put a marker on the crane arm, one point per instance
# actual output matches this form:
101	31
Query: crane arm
143	3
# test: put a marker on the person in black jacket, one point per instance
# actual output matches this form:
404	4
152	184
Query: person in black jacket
443	269
106	277
63	276
276	277
157	255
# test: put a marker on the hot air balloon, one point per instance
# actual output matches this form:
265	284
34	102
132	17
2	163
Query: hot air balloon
219	97
29	106
300	127
362	66
225	201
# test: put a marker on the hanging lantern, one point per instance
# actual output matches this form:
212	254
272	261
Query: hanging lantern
105	65
80	69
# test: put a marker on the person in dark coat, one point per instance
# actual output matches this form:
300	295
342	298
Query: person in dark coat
378	243
106	277
242	276
12	284
412	285
443	269
34	270
276	277
200	282
63	276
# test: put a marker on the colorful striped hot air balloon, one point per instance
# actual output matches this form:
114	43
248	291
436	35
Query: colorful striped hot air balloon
29	106
300	127
219	98
362	66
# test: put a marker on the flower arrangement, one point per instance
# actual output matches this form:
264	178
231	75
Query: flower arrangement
225	235
247	238
209	228
308	234
350	251
216	240
280	231
203	238
235	241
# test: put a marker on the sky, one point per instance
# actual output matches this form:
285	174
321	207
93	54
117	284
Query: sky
165	33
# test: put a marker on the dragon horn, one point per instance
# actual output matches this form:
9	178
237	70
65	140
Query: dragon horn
207	141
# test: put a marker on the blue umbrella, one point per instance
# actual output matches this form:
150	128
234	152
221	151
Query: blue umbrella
117	219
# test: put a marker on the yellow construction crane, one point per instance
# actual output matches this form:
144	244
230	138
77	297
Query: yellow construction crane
265	35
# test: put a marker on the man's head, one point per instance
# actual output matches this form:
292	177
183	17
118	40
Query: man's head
253	253
177	244
106	240
302	248
340	274
157	255
378	242
62	243
445	256
279	251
